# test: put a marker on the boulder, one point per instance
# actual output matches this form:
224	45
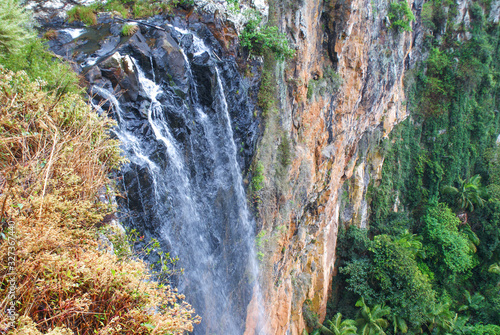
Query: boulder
169	58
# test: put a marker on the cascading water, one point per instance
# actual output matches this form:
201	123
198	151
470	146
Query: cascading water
184	185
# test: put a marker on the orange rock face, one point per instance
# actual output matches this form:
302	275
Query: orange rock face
350	42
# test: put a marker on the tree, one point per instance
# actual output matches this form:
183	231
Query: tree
399	324
338	327
467	194
400	15
448	250
494	268
371	321
441	319
396	264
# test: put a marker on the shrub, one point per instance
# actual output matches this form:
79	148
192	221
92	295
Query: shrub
39	63
14	21
116	6
448	249
55	157
400	15
129	29
82	13
258	177
50	34
258	39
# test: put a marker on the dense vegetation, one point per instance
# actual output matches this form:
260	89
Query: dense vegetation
57	274
260	39
125	9
433	266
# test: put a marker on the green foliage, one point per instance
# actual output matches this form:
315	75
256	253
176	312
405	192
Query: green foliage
143	8
82	13
311	318
439	154
116	6
14	27
31	55
427	14
129	29
359	275
284	155
372	321
35	59
395	264
467	194
260	40
441	318
258	177
267	90
337	326
400	15
126	8
447	248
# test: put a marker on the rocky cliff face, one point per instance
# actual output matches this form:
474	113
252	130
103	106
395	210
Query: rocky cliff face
342	91
346	81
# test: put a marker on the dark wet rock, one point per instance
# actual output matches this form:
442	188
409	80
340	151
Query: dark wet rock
106	17
205	83
116	29
169	58
108	45
202	59
93	75
137	47
121	72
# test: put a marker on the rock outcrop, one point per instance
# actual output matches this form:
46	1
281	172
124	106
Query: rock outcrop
345	84
351	42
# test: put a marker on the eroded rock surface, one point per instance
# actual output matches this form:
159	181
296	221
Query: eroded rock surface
351	41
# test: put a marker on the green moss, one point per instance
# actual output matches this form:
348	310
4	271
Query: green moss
258	178
267	91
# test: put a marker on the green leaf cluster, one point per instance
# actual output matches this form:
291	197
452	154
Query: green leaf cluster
400	15
14	27
261	39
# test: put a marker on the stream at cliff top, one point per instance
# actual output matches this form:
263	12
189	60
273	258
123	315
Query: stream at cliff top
183	183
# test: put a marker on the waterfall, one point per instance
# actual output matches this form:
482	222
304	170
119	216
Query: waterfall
183	183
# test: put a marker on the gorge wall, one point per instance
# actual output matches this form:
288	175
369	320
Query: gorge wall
341	91
345	81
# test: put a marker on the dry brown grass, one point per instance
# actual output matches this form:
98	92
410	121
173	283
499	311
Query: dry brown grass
54	157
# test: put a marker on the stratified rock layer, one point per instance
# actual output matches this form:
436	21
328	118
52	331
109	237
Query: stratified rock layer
353	39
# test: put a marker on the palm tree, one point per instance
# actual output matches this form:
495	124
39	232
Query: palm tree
441	318
467	194
371	321
399	323
473	302
411	242
338	327
494	268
